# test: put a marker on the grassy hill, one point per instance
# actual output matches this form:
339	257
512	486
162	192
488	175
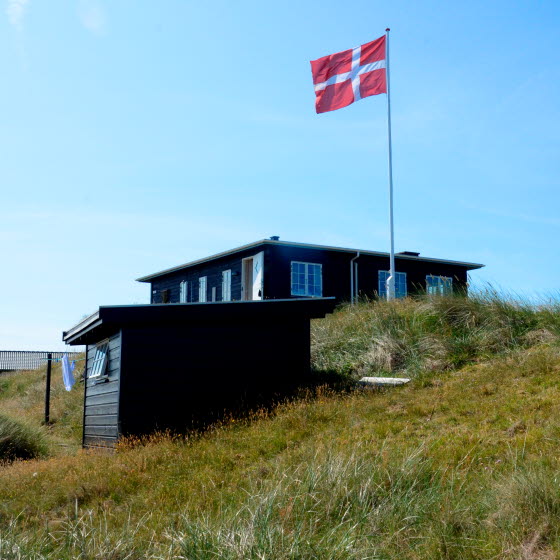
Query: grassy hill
22	399
461	463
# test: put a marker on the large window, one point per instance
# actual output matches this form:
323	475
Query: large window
439	285
202	289
226	285
400	284
183	292
99	364
307	279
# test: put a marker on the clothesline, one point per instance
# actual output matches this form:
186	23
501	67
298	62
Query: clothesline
60	359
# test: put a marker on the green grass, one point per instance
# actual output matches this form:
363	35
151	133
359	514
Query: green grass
462	463
22	398
20	441
429	333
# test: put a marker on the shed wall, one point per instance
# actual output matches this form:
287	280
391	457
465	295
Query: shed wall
101	409
202	371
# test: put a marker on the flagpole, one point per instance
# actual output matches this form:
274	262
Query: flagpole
391	279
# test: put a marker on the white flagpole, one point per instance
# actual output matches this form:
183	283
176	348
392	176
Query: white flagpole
391	279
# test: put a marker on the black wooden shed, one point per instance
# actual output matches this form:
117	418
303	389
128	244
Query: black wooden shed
157	367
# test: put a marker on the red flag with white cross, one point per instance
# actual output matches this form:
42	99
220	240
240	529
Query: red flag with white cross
348	76
342	78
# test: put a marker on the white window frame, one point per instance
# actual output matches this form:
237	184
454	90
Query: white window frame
442	286
100	361
306	280
203	289
382	276
184	291
226	285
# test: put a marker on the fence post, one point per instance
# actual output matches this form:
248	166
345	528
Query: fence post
48	389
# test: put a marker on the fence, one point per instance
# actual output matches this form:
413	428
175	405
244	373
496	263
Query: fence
11	360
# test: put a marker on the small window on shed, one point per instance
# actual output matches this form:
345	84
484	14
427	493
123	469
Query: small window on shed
164	296
100	360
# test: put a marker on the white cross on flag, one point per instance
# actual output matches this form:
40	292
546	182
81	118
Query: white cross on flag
348	76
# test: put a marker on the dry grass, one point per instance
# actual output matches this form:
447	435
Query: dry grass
461	463
22	398
20	441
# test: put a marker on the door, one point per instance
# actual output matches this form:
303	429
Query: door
247	279
258	277
252	277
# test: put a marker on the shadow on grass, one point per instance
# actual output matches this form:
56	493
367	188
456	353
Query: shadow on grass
247	408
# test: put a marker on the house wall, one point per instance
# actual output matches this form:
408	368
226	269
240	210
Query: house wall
277	273
101	407
336	271
212	270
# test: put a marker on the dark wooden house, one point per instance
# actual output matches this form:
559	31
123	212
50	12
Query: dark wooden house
157	367
274	269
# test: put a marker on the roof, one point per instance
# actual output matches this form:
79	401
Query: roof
109	319
255	244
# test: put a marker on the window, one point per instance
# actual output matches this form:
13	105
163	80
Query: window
202	289
439	285
100	360
226	285
183	292
307	279
164	296
400	284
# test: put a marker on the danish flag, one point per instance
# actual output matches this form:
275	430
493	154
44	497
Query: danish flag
348	76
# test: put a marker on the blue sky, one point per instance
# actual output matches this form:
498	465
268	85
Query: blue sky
139	135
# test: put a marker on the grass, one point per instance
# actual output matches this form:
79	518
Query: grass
429	333
20	441
461	463
22	398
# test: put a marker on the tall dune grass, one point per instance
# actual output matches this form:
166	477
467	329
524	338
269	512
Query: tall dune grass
22	399
462	463
426	333
20	441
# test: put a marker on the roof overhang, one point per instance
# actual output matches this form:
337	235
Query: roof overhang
263	242
110	319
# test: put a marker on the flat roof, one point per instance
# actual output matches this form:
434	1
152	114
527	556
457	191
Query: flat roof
467	265
109	319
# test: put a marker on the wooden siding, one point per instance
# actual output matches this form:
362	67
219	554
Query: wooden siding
218	368
336	271
212	270
277	273
181	366
101	409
